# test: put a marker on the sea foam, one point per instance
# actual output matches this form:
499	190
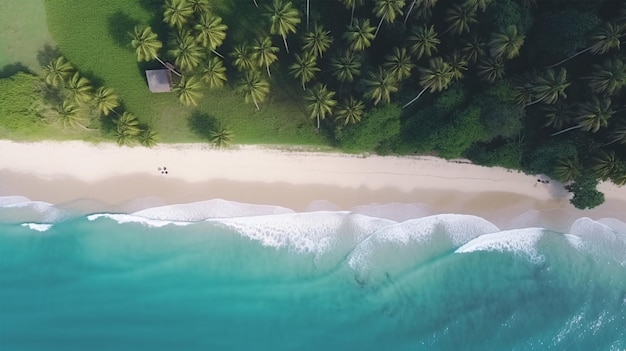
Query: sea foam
518	241
40	227
217	208
418	239
312	232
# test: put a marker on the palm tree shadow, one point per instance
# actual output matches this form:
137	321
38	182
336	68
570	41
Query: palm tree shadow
47	54
202	124
120	24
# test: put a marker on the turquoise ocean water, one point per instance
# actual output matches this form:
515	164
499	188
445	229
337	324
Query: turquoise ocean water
219	275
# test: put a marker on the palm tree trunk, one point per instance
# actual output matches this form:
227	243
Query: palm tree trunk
318	122
566	130
308	9
268	69
415	99
620	110
217	53
406	18
352	14
532	103
569	58
255	4
285	41
166	66
85	128
255	104
446	31
382	18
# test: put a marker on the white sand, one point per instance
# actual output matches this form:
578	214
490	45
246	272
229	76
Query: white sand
438	183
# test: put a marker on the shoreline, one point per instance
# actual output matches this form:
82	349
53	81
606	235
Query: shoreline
128	179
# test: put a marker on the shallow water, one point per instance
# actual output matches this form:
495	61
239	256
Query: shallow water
222	275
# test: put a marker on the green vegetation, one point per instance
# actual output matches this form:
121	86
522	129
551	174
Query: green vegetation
531	85
24	37
94	38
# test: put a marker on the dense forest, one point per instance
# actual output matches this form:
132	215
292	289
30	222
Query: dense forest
532	85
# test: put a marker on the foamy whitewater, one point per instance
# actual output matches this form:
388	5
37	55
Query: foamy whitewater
219	275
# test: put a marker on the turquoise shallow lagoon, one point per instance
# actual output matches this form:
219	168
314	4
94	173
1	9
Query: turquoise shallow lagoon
265	278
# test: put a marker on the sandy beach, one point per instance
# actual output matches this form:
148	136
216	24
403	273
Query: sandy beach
129	179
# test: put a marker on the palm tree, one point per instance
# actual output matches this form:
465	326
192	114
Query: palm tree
557	115
221	136
346	67
243	58
523	88
264	53
127	124
201	7
214	73
147	44
594	114
148	138
459	19
321	102
379	85
605	39
211	32
477	4
398	64
618	133
351	4
350	111
423	41
550	86
177	13
474	48
425	6
106	100
458	64
619	177
79	89
490	69
566	170
188	91
359	35
506	44
317	41
304	68
124	139
283	19
254	87
57	72
604	164
609	77
71	115
186	52
436	77
387	10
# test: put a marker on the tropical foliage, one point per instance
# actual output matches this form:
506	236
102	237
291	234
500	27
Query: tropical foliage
529	84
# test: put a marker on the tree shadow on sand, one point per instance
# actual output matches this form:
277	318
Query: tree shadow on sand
202	124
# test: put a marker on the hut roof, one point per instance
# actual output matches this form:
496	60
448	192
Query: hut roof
159	80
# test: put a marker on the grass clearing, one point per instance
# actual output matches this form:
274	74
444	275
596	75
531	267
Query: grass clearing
23	34
94	38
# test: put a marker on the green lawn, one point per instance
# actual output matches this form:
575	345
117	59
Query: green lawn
93	36
23	35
